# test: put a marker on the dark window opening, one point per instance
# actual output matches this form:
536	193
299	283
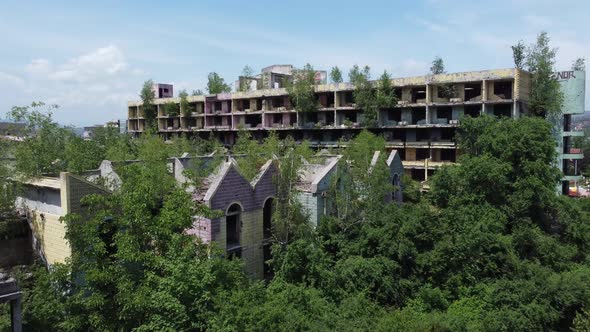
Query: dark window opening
503	89
267	213
419	94
447	134
348	98
352	117
398	93
160	94
566	144
418	174
277	118
399	135
418	114
396	195
422	135
328	119
309	119
217	121
422	154
217	106
233	228
503	110
253	120
394	115
447	155
278	102
445	114
472	110
472	91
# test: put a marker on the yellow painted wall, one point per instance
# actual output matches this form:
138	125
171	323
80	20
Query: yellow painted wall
50	233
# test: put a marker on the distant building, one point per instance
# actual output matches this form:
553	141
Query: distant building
421	127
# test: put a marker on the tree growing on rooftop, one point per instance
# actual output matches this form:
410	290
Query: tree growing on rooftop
546	96
385	94
336	75
438	66
216	84
301	90
197	92
364	94
579	64
247	74
519	54
184	105
147	98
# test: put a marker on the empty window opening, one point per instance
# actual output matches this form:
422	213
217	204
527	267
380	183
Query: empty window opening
253	120
422	154
233	228
277	118
418	174
394	115
278	102
447	155
418	114
309	119
472	110
352	117
419	94
447	134
217	121
503	110
398	93
444	114
348	98
399	135
267	213
217	106
473	92
503	89
422	135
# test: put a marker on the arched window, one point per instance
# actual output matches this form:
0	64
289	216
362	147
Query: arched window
233	229
267	213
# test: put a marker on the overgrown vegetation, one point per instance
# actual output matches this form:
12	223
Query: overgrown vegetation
539	59
301	90
371	97
336	75
216	84
147	96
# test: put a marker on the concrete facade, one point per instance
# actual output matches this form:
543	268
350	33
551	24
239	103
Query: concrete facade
421	127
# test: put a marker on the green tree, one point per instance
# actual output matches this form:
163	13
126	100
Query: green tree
364	94
438	66
301	90
197	92
184	104
336	75
579	64
216	84
147	96
546	96
519	54
247	74
43	149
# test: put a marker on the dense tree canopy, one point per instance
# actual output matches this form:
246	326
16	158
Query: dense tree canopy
491	247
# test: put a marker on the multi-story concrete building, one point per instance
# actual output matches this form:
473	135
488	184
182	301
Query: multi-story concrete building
421	126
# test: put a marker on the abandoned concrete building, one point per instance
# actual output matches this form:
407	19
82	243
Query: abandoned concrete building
421	126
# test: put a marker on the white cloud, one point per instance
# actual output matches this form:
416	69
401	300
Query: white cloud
11	80
90	88
105	61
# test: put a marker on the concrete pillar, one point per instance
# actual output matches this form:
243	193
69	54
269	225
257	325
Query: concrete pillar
427	111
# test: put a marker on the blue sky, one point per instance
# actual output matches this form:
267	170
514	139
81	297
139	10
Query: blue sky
91	57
